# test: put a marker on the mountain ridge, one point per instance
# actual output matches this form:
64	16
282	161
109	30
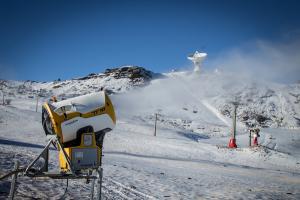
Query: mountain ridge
262	104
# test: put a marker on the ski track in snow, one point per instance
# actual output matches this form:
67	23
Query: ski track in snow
216	112
116	190
44	188
210	185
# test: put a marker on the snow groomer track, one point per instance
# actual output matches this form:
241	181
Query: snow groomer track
115	190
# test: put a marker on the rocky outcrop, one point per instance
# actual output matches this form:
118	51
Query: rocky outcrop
90	76
131	72
134	73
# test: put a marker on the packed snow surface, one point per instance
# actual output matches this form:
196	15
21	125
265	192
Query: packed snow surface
187	159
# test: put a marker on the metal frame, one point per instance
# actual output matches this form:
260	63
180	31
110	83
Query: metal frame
68	175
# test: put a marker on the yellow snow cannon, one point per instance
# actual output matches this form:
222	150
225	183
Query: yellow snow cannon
80	124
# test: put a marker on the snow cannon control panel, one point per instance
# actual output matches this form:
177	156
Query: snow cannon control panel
85	156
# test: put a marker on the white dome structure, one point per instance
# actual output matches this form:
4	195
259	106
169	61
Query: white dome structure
197	59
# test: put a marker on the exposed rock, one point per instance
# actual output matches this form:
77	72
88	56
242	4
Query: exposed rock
261	119
90	76
132	72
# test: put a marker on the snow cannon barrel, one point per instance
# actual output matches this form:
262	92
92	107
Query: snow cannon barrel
69	119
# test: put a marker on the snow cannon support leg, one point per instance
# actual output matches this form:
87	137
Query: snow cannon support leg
255	141
232	143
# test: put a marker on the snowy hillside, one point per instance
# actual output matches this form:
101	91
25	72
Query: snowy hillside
181	98
115	80
203	103
187	158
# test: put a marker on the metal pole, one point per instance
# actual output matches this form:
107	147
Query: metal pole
99	185
37	103
250	138
155	124
41	154
92	191
234	122
3	98
13	182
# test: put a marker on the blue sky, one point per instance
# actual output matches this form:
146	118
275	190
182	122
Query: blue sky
46	40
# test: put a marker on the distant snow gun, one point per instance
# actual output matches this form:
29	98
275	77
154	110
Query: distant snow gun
76	128
255	134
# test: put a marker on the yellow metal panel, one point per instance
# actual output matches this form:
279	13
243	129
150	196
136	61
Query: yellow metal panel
63	163
109	108
56	120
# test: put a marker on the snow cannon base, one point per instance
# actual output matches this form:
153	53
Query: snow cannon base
232	143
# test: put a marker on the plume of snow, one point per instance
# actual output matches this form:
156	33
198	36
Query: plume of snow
278	62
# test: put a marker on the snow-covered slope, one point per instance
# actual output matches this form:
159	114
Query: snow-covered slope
181	98
175	164
186	160
203	103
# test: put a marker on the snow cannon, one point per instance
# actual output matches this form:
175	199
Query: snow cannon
80	124
69	118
